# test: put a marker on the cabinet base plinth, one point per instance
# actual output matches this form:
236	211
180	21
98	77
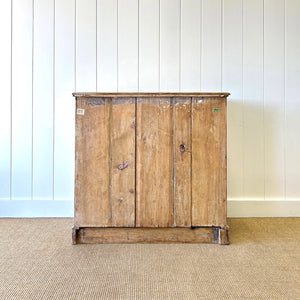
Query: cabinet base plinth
109	235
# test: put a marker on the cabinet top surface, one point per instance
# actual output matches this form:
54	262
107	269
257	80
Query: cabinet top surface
186	94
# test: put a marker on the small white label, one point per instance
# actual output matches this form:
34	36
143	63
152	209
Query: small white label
80	111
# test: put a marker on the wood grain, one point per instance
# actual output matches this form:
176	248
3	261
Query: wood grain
182	161
209	162
92	163
148	235
123	162
154	159
152	95
150	162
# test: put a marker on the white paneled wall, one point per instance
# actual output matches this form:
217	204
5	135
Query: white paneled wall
51	48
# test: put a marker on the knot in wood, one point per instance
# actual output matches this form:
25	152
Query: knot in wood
123	165
182	148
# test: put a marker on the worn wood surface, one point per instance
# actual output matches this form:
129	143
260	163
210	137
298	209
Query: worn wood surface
182	161
154	163
224	235
208	162
151	95
123	162
150	161
92	162
147	235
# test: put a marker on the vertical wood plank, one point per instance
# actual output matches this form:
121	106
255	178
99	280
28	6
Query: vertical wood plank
209	162
21	185
86	67
233	82
128	45
182	162
274	106
42	186
123	162
92	163
154	163
169	45
148	45
190	45
5	120
211	46
107	45
64	106
292	90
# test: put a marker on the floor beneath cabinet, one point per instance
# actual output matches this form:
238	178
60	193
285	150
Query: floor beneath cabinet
38	261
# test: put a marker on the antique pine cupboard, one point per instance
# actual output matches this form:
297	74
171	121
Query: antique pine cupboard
150	167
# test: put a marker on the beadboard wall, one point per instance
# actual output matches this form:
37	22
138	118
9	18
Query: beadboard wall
49	49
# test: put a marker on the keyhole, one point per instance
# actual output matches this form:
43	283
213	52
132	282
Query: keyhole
182	148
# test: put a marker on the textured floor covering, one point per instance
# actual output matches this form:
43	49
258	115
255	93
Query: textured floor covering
37	261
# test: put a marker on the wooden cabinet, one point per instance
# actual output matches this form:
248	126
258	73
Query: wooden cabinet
150	167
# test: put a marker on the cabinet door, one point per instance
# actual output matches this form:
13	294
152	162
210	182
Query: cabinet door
163	162
105	162
209	162
154	163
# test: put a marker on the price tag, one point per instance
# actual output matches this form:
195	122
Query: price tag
80	111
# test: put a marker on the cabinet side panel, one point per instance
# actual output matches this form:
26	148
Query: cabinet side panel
92	162
182	162
154	163
123	162
208	162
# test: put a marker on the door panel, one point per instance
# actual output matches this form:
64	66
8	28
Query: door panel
92	162
123	162
208	162
182	161
105	162
154	163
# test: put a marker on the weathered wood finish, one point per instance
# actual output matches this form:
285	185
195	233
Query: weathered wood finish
123	162
92	163
182	161
215	235
209	162
151	95
153	165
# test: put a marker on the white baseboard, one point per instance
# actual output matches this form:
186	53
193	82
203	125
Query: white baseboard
64	208
263	208
36	208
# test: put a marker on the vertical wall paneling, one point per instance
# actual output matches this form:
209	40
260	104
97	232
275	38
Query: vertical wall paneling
170	45
107	45
253	102
274	100
149	45
64	113
190	45
50	48
233	82
128	45
292	103
211	45
22	40
5	76
86	68
42	115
